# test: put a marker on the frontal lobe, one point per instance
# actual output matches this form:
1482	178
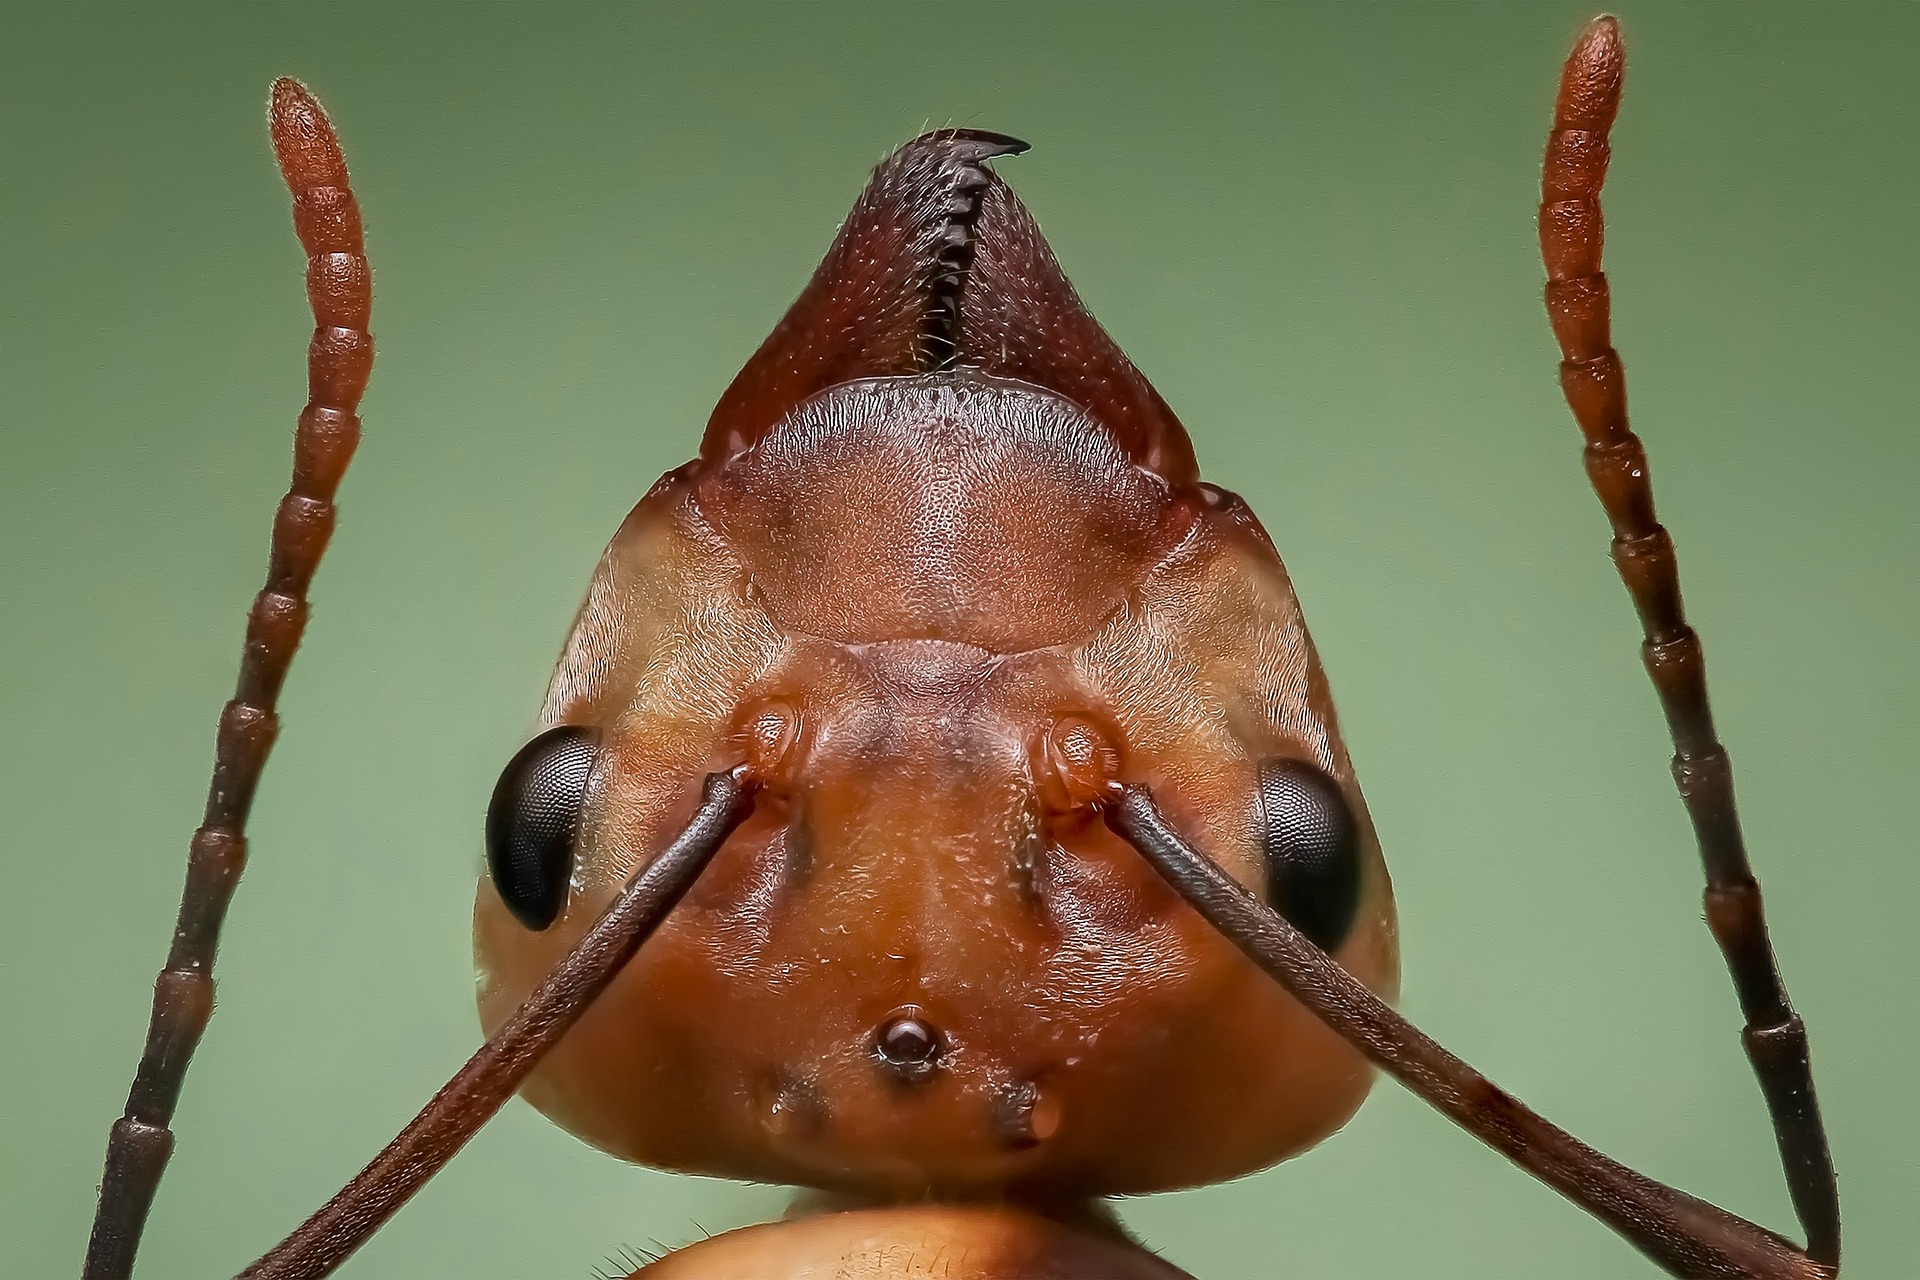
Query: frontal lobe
960	508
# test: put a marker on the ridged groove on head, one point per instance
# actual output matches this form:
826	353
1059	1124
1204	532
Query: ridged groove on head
963	153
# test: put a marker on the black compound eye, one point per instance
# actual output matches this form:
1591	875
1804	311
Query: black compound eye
533	819
1312	844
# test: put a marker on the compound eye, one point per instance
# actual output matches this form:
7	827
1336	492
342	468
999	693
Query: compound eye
533	819
1312	846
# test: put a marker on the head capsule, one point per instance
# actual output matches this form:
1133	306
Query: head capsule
943	573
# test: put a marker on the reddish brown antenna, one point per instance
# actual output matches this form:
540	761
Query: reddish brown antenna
1571	236
340	288
1684	1235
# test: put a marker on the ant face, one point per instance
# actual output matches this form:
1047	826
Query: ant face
943	612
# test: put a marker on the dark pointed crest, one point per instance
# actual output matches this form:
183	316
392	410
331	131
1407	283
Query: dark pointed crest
940	266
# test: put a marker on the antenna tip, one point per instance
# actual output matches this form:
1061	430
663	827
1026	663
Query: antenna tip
303	138
1590	81
1600	38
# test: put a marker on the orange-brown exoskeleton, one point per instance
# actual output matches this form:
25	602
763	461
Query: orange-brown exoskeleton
939	605
963	763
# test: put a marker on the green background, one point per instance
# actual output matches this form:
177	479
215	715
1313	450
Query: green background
1312	227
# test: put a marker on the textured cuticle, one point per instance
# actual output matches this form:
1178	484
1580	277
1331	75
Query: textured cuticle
1080	762
770	734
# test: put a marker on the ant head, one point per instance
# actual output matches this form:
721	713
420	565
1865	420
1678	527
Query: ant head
943	606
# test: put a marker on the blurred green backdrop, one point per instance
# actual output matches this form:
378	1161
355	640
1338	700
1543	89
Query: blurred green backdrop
1313	227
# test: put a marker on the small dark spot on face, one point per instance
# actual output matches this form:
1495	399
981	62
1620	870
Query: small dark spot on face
908	1044
1013	1113
791	1106
797	850
1025	1115
1030	868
